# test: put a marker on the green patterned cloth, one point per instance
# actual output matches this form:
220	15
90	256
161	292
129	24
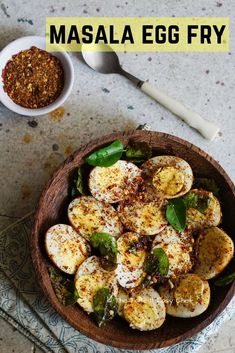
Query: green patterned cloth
24	306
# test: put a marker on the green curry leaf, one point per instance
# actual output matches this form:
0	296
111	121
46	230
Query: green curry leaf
78	187
207	184
104	305
107	246
106	156
225	280
138	151
157	263
176	214
64	287
197	201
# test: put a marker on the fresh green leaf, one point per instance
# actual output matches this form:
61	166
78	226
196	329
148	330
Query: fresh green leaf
138	151
194	200
78	187
64	287
106	156
207	184
157	263
107	246
176	214
225	280
104	305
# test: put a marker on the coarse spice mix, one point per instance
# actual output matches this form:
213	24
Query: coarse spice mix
33	78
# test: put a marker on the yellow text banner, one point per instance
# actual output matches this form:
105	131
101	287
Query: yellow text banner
142	34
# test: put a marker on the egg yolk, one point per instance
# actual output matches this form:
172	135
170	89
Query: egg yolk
131	259
189	291
169	180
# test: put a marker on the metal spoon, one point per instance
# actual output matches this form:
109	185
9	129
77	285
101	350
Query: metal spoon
101	58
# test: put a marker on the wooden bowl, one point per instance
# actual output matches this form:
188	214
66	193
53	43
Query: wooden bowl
52	209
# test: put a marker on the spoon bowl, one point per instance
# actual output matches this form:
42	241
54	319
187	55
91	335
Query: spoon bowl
101	58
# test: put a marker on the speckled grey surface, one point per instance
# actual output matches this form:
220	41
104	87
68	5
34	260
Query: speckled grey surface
32	148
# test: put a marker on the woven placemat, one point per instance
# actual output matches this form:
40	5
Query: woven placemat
24	306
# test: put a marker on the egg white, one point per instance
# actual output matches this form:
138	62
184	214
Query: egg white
66	248
214	250
113	184
88	215
122	297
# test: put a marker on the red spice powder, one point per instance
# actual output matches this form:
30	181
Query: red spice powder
33	78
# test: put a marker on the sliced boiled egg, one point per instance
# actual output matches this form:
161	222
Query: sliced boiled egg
131	256
89	278
122	297
214	250
209	217
66	248
171	176
178	248
189	297
113	184
145	311
143	214
88	215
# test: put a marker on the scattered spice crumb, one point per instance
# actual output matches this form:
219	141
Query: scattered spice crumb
97	10
222	84
217	82
63	8
25	20
4	9
25	192
203	9
32	123
55	147
105	90
207	72
68	151
220	133
162	118
130	107
68	114
219	4
57	114
149	59
52	9
27	138
84	11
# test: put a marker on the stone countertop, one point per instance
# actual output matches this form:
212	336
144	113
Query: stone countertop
32	148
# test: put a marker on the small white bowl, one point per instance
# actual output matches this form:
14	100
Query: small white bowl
26	43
